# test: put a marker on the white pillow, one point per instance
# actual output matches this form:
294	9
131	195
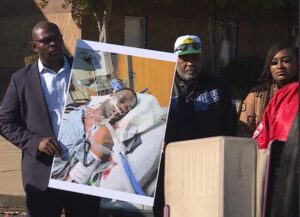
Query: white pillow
146	114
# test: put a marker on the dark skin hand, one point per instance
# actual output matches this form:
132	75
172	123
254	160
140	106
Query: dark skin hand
50	147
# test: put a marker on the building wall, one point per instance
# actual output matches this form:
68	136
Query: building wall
255	39
164	23
16	29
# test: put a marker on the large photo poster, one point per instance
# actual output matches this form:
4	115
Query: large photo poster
114	122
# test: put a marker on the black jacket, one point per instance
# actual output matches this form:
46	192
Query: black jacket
24	121
200	109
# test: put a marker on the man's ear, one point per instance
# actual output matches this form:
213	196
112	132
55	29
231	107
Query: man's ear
33	46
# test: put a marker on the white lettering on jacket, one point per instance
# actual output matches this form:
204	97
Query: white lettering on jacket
202	101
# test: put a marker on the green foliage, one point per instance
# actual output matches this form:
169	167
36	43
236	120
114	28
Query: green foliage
30	59
80	9
43	3
243	72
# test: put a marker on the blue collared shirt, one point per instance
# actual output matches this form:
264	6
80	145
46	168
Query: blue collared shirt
55	89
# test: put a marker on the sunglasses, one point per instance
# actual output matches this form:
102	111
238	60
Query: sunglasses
48	40
184	47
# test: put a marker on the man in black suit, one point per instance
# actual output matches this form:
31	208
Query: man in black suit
30	117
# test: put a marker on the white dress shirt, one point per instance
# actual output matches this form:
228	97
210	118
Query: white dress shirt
55	89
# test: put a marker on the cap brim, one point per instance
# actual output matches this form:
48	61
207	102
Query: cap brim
189	51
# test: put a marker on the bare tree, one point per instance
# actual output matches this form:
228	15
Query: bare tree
80	9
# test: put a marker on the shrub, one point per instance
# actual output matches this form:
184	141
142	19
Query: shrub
30	59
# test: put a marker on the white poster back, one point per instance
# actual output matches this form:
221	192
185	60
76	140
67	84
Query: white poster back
113	127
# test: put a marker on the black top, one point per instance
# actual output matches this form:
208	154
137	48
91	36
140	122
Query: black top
200	109
25	121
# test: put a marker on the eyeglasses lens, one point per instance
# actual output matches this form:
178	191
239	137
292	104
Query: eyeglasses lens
48	40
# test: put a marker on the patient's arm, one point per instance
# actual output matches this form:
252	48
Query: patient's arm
101	142
96	132
100	150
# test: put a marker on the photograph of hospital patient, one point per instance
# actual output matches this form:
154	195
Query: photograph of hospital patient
114	123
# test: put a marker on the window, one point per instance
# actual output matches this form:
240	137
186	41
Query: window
135	32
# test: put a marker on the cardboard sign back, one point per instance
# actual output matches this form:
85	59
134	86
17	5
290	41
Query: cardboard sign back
211	177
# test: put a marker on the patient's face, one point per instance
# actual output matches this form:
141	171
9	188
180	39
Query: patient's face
119	104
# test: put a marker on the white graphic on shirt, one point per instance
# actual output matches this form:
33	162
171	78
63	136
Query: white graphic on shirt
202	101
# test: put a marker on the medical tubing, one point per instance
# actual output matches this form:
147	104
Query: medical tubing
132	180
136	186
114	136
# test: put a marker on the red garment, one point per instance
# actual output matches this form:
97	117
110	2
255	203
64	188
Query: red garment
278	116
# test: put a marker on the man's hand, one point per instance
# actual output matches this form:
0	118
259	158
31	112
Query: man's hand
50	146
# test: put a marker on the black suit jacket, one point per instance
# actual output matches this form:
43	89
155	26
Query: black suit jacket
24	121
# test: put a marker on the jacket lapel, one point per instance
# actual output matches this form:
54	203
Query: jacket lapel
37	86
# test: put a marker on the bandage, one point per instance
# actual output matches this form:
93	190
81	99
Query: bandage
80	173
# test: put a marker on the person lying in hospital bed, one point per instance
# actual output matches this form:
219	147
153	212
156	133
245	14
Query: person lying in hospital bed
85	137
138	135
